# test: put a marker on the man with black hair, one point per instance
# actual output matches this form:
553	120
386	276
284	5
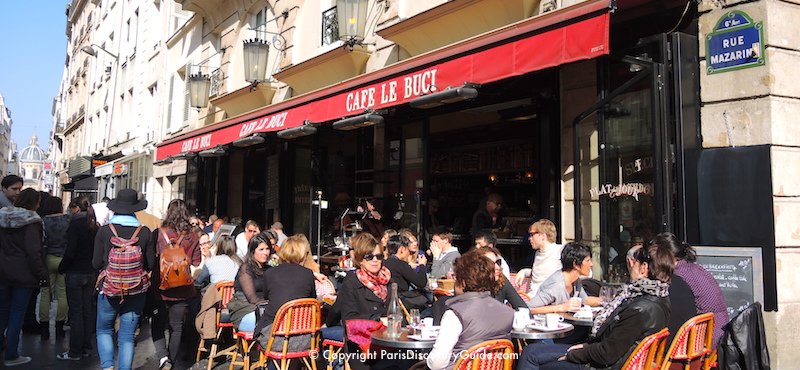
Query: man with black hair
410	283
488	239
12	186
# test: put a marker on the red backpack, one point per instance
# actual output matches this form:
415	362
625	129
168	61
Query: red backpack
124	274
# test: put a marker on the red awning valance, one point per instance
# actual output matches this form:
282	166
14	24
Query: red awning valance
574	33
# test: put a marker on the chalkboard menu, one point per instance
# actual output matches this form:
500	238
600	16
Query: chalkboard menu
739	272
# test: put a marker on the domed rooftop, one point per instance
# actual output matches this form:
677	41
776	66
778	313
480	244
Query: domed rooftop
32	153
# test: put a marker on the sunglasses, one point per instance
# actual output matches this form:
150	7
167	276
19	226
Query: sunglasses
499	262
370	257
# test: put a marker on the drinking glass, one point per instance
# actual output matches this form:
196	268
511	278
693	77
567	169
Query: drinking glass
415	321
606	294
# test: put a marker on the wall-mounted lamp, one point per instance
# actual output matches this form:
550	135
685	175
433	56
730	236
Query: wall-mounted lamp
251	140
364	120
217	151
450	95
352	16
92	50
303	130
256	52
200	83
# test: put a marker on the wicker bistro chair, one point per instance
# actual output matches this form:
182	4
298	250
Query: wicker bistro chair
489	355
245	345
649	353
294	319
223	323
691	345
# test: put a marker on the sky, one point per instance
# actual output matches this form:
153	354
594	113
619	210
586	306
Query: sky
34	49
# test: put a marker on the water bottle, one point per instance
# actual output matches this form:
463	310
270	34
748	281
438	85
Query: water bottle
394	314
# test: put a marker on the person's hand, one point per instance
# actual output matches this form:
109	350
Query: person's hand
577	346
320	277
422	260
521	275
435	250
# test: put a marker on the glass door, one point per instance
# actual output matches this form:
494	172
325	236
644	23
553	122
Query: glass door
621	186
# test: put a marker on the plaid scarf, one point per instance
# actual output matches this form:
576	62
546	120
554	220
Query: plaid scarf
377	282
639	287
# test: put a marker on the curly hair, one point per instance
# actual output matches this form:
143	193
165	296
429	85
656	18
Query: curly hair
177	216
475	273
501	280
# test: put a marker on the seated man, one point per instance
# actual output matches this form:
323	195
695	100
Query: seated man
443	252
542	236
410	283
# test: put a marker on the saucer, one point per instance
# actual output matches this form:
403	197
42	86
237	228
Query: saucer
560	326
421	338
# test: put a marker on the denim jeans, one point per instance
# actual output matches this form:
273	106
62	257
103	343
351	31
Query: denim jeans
172	314
545	356
57	285
13	304
80	296
129	311
248	323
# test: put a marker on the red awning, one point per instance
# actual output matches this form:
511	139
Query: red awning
574	33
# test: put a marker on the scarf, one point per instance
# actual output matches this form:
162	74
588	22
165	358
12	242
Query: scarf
639	287
377	282
124	220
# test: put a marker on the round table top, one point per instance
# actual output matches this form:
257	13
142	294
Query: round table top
528	333
380	338
569	316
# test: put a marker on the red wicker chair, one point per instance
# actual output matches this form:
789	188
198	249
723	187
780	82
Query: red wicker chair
649	354
489	355
691	345
225	291
298	317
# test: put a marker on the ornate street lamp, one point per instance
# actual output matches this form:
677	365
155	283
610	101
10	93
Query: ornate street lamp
256	54
352	15
199	88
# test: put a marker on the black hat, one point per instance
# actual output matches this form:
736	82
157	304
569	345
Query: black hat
127	202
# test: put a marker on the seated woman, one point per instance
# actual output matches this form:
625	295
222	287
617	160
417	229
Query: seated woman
285	282
363	293
249	283
705	289
222	267
640	310
556	290
417	258
505	292
473	315
410	283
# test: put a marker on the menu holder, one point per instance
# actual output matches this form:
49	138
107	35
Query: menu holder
739	271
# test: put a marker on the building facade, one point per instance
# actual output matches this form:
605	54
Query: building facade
5	137
600	115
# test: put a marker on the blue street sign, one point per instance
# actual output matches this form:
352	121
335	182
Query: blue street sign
736	43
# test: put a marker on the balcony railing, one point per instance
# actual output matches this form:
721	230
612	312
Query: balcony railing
216	82
330	27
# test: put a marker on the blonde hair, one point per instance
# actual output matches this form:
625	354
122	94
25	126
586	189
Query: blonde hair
294	250
363	244
547	227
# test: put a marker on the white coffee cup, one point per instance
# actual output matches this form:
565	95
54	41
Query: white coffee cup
522	317
429	331
427	322
552	320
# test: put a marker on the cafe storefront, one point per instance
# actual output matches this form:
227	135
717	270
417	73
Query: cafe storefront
507	112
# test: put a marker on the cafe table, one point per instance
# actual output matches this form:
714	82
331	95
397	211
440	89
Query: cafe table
570	317
380	338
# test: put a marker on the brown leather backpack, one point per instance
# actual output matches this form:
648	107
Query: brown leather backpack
174	264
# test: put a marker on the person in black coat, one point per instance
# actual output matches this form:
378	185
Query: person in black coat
22	267
410	283
364	292
80	278
641	309
283	283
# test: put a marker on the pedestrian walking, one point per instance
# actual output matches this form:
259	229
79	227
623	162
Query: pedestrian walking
22	267
80	278
56	223
123	252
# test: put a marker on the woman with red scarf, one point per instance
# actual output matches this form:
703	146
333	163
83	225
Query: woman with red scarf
364	293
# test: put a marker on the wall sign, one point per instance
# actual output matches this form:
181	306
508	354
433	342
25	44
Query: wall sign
737	42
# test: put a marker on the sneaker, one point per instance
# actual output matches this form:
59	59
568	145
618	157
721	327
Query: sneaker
67	356
21	360
164	364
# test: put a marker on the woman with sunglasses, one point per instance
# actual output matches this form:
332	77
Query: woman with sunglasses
556	290
641	309
364	293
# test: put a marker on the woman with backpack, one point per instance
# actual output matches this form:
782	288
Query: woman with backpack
178	251
22	268
80	278
123	253
55	242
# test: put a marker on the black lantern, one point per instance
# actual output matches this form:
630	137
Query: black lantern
352	15
256	54
199	88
